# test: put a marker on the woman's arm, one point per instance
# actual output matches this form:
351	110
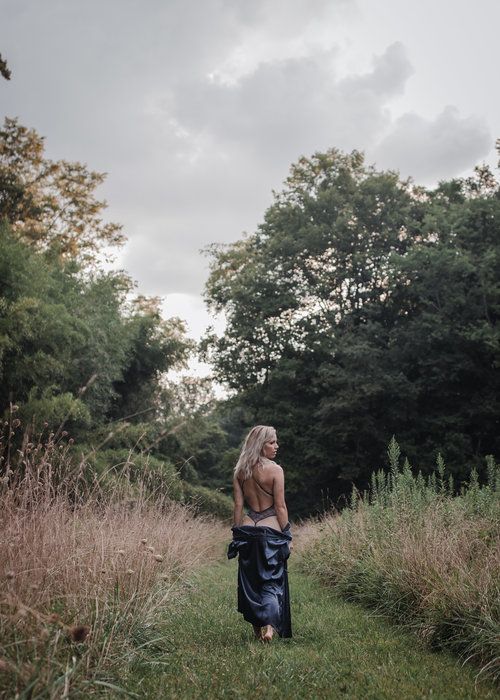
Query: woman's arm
238	502
279	497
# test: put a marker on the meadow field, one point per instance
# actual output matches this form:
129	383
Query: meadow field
116	590
302	234
85	571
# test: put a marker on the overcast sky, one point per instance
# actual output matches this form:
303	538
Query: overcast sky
197	108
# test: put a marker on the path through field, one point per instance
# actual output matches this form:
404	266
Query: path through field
338	651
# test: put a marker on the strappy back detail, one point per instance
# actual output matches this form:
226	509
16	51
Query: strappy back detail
255	515
261	487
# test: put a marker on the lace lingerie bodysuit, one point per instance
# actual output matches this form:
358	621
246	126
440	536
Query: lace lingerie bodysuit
257	515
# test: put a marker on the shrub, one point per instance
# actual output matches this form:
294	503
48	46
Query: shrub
205	500
139	470
430	559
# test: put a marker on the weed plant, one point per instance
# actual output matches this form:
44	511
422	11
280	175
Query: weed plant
421	551
85	572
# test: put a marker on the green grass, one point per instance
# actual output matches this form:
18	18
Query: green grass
338	651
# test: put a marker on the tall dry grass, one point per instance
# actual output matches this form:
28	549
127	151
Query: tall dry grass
85	576
425	557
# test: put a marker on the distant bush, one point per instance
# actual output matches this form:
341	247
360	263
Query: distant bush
205	500
430	559
156	475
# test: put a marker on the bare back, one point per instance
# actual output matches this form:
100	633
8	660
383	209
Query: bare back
259	493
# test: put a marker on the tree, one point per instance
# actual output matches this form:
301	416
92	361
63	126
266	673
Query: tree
4	69
363	307
155	345
320	256
51	205
61	331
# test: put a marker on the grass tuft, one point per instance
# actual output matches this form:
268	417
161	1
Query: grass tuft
80	593
428	558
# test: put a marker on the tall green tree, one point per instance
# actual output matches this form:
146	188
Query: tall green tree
364	306
321	254
61	331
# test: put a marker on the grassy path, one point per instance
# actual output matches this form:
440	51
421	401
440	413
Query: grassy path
338	651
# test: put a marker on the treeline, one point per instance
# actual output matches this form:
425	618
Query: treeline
72	346
80	351
363	307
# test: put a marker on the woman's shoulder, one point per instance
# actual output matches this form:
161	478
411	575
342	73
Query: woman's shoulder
272	466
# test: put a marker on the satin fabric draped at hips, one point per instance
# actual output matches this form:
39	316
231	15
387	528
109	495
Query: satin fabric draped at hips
263	594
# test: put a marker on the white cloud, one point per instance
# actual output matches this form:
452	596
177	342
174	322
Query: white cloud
191	306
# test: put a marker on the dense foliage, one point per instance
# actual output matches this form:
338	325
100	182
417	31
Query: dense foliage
79	350
51	204
364	306
72	345
415	550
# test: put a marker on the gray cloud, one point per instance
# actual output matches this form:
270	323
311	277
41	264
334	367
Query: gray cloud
196	110
295	104
432	149
237	141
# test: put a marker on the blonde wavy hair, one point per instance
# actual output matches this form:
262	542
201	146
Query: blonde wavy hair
251	452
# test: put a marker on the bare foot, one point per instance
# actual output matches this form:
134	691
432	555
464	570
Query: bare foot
266	633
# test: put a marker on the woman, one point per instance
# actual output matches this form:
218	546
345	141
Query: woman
261	536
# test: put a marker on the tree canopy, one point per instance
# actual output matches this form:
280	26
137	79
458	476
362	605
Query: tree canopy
364	306
51	205
80	350
74	340
59	329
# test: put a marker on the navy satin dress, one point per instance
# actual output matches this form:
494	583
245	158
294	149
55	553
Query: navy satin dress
263	594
